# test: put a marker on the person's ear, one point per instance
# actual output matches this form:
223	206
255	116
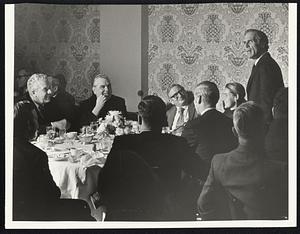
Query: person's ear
237	97
234	132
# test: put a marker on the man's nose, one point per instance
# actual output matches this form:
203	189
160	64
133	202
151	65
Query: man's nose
49	91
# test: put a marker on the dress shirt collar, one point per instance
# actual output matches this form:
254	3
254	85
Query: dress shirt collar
207	109
256	61
183	107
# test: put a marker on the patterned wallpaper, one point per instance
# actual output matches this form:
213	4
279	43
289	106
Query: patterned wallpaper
187	43
59	39
192	43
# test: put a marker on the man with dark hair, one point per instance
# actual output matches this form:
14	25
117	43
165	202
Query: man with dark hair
277	136
266	78
234	96
182	109
242	184
210	132
62	101
102	101
166	154
35	195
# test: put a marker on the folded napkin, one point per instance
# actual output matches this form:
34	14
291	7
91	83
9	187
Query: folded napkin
89	160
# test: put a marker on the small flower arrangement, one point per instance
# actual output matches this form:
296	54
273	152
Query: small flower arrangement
114	124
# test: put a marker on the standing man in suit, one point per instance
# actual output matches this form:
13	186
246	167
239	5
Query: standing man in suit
242	184
266	78
210	133
102	101
183	108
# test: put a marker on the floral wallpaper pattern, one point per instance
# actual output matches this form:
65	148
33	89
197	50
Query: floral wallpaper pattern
196	42
59	39
187	43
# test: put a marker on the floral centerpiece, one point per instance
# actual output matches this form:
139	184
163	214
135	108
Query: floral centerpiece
115	124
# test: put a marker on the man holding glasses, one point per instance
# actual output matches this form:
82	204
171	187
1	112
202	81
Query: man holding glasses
182	109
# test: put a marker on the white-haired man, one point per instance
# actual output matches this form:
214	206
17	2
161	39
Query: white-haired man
39	92
102	101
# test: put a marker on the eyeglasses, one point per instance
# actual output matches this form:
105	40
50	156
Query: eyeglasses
175	95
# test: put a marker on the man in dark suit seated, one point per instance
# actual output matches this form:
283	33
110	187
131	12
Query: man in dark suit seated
64	102
102	101
242	184
210	132
167	155
35	195
182	109
39	93
266	78
277	136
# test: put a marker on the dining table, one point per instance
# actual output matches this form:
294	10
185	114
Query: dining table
75	165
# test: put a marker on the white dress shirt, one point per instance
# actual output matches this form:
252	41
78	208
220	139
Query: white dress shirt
185	115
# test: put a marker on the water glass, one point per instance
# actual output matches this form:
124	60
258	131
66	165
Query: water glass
83	130
94	126
62	133
50	132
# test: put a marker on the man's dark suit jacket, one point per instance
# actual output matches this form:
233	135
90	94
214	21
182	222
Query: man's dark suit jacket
256	188
86	107
46	114
166	154
65	104
276	141
265	80
33	187
172	112
210	134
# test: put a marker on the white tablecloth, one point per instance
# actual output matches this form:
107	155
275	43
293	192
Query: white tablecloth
75	180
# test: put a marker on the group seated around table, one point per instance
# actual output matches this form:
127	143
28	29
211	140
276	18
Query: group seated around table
35	195
154	176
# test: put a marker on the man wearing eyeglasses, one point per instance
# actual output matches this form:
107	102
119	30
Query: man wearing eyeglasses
182	109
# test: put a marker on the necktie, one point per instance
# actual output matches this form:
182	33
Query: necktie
180	121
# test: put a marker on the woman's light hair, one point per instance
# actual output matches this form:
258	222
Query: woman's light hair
248	120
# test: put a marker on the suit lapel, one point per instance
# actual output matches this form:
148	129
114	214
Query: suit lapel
192	111
250	81
254	69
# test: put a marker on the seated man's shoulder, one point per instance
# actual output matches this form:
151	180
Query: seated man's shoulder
31	151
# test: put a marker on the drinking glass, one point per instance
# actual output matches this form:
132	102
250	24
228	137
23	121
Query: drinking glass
50	132
94	126
83	130
62	132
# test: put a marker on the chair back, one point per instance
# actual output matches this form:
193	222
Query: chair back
131	190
